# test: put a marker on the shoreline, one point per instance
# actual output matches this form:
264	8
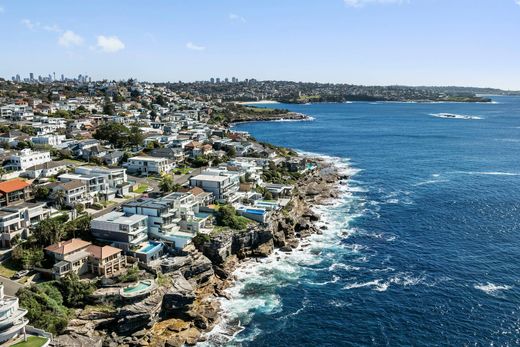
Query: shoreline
229	327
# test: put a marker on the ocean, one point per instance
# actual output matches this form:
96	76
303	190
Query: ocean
422	248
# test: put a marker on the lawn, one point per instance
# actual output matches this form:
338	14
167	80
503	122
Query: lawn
8	269
32	341
142	188
182	170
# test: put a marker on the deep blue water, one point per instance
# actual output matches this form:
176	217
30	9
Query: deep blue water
423	250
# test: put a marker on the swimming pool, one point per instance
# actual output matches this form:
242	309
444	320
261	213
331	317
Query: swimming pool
258	212
149	247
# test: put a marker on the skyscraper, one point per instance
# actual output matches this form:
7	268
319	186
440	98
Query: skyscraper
31	76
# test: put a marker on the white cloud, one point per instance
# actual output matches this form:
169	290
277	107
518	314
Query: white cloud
361	3
110	44
236	18
2	10
52	28
30	24
69	39
517	2
194	47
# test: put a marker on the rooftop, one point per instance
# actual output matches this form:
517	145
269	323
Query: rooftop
13	185
120	218
66	247
102	252
213	178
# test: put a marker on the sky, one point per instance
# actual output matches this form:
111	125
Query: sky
369	42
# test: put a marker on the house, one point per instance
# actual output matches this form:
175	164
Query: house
221	186
202	197
149	165
113	158
74	192
69	256
174	154
47	169
80	257
13	191
27	158
116	178
16	221
49	140
106	260
122	230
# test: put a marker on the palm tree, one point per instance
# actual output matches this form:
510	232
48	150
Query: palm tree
59	199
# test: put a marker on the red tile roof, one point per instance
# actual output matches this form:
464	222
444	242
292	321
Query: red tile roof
66	247
13	185
102	252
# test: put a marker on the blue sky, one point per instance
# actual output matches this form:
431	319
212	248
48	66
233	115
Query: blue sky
413	42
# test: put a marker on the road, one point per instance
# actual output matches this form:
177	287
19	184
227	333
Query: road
10	286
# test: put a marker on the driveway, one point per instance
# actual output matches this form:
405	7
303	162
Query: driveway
10	286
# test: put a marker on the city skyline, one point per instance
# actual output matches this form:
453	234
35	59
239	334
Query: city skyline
367	42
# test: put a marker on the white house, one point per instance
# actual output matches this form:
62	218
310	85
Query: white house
223	187
27	158
50	139
146	165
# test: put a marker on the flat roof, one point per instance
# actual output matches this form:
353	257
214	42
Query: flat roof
148	158
120	218
213	178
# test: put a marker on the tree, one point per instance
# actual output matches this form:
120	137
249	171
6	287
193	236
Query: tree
44	304
161	101
115	133
48	231
135	136
109	108
168	185
41	193
28	257
74	291
227	217
59	199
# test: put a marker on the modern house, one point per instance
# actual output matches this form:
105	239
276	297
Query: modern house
16	221
122	230
13	191
149	165
221	186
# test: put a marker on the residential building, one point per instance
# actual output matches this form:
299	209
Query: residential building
106	261
47	169
149	165
122	230
74	192
13	191
27	158
49	140
221	186
70	256
80	257
16	221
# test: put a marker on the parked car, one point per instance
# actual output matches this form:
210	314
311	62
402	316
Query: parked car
20	274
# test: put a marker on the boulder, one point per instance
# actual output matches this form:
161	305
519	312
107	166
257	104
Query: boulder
179	296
